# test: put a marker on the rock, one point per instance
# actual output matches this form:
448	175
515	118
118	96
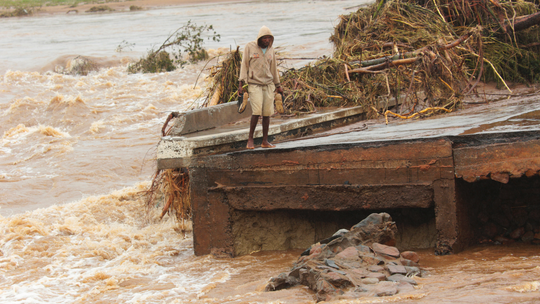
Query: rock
80	66
336	279
401	278
519	216
324	287
330	269
317	249
308	277
371	259
377	228
282	281
385	289
363	248
341	232
405	287
393	269
517	233
377	275
489	230
375	268
372	219
355	276
350	253
406	262
385	250
501	239
370	281
527	236
411	255
344	259
331	263
412	270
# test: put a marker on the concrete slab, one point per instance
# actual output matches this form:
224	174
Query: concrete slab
177	151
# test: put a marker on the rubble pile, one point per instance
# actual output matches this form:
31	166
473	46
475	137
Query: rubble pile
356	263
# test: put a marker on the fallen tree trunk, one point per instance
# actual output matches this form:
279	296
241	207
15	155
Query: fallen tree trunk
524	22
374	65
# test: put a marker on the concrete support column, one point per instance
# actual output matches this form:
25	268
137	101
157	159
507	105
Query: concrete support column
211	217
450	218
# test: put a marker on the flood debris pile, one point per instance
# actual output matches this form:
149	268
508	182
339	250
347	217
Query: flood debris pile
169	191
429	54
224	76
356	263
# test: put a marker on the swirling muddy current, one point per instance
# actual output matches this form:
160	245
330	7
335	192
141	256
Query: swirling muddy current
77	153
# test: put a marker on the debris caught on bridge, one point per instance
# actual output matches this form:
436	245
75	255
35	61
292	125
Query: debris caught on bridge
431	54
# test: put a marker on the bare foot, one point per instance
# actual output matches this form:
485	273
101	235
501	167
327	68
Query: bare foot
250	145
267	145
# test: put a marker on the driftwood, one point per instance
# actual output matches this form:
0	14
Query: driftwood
524	23
375	65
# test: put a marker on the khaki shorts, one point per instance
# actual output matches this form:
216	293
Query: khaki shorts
261	98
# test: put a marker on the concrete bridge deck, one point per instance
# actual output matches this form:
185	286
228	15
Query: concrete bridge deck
305	189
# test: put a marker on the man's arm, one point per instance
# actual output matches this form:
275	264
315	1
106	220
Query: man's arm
244	67
275	73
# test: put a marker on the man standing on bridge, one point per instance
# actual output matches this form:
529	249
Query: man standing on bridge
259	71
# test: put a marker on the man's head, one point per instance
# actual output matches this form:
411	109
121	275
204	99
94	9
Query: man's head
265	38
265	41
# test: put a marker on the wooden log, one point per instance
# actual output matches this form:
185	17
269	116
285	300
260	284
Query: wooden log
524	22
385	65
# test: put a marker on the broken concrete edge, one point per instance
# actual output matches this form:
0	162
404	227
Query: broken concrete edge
207	118
510	155
183	147
215	116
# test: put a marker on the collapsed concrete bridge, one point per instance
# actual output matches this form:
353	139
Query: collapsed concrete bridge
430	175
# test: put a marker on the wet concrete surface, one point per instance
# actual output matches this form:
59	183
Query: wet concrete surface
517	114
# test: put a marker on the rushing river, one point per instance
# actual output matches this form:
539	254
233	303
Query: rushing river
77	151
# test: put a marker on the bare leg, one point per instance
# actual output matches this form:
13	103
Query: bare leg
266	126
252	125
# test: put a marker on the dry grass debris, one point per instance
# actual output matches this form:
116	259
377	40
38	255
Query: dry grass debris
428	53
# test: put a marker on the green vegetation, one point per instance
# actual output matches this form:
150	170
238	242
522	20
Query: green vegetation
187	40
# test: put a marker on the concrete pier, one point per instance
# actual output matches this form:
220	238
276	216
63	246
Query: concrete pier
304	190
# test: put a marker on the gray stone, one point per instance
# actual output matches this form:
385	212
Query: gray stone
405	287
369	281
396	269
331	263
412	270
379	276
385	289
375	268
341	232
401	278
363	248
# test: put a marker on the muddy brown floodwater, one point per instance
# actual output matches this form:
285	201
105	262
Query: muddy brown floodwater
77	151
